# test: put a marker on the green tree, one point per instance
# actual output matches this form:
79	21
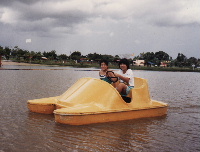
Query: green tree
148	58
7	53
63	57
20	53
160	55
192	61
116	58
94	57
153	58
180	60
76	55
35	55
2	51
38	55
14	52
109	58
50	55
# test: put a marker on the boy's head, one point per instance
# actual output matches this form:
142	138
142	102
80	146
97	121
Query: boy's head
124	61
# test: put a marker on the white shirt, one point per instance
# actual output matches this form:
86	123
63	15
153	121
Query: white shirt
128	74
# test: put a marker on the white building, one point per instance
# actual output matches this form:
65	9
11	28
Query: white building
139	62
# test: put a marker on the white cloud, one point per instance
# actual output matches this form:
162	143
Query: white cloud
118	24
111	34
28	40
137	42
70	13
9	16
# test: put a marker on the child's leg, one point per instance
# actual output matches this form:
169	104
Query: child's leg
121	88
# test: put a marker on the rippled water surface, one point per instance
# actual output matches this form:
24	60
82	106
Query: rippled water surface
22	130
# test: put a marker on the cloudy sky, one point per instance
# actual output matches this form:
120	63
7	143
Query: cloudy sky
102	26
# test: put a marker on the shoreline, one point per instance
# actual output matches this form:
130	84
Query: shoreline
9	62
173	69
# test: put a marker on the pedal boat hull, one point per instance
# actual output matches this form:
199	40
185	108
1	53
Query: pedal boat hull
109	116
92	100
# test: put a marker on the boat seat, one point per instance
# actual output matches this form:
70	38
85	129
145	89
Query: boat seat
140	95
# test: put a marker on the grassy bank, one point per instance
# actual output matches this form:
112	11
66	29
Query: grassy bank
112	66
178	69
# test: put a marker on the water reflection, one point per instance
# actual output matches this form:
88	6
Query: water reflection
22	130
117	136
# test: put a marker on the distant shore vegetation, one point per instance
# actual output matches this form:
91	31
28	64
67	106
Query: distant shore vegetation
158	61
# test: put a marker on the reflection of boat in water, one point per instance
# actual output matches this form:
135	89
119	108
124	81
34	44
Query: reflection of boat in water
92	100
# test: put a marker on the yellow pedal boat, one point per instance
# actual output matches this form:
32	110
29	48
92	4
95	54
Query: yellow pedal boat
92	100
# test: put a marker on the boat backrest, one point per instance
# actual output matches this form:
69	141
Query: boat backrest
92	91
140	93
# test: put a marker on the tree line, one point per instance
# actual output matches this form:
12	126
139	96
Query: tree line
150	58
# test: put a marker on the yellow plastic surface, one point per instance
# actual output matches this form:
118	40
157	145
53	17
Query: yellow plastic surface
90	96
93	93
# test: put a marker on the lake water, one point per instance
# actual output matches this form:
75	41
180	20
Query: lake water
22	130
